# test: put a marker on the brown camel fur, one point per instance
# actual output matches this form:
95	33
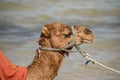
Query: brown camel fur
46	64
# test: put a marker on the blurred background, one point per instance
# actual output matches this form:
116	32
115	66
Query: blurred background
22	20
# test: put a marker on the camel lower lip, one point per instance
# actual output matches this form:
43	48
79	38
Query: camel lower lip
88	41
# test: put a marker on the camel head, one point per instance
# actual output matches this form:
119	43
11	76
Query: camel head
57	35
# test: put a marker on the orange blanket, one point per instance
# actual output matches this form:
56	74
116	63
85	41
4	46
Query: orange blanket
9	71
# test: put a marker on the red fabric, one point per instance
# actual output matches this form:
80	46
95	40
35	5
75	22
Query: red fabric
9	71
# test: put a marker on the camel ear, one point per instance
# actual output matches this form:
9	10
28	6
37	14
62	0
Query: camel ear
45	32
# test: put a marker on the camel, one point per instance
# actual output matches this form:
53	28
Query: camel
46	63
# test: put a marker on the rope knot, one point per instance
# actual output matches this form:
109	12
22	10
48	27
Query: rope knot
89	59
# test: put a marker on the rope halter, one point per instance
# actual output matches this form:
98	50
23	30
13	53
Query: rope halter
73	43
64	48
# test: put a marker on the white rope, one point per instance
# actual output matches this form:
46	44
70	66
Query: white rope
88	57
107	67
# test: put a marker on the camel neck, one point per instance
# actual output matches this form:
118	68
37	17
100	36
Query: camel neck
46	66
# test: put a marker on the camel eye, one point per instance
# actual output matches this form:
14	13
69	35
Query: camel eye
67	35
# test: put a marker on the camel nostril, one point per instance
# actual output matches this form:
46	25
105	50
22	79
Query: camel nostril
87	31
